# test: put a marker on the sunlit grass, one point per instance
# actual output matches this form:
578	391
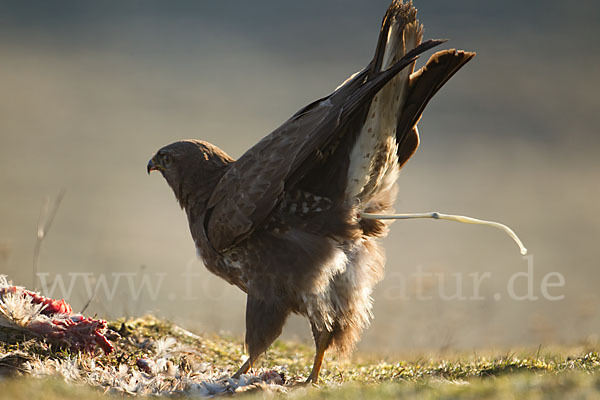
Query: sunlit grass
533	373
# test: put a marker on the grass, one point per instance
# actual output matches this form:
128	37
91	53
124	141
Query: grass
531	373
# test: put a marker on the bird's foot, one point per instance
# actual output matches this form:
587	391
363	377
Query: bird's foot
243	369
312	380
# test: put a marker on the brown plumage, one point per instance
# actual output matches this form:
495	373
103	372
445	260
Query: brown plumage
283	221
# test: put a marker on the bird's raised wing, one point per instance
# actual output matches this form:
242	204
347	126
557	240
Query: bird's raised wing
423	85
255	183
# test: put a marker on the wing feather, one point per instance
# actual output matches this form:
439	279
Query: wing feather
424	84
255	183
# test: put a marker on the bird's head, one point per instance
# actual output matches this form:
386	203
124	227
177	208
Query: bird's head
191	168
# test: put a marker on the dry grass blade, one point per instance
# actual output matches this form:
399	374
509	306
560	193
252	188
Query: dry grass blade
44	223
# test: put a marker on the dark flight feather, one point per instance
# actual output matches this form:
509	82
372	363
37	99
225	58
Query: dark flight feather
424	84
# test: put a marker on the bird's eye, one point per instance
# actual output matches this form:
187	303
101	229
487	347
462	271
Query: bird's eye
166	159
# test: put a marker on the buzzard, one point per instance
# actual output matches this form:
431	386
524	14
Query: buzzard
284	222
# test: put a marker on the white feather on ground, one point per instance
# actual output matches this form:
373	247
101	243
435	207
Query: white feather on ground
158	372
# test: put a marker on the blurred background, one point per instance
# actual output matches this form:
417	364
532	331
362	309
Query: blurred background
90	90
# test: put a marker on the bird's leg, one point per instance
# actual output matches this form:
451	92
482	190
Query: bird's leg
264	320
322	342
243	369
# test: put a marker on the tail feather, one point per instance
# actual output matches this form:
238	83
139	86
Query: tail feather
396	21
373	157
389	135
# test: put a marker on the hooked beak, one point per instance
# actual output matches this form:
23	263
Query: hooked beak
152	166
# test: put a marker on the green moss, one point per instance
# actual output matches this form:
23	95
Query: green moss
528	373
512	386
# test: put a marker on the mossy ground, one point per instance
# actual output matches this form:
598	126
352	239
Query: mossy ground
533	373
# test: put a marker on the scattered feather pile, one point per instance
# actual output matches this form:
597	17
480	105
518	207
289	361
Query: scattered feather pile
157	374
51	319
42	337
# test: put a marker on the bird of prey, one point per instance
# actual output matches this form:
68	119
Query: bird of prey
283	222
